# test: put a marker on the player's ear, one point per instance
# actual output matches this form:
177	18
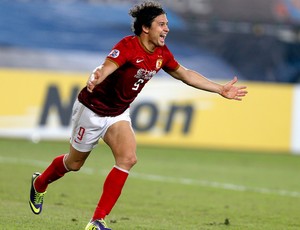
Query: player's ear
145	29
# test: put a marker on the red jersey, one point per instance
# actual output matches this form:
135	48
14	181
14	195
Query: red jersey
136	67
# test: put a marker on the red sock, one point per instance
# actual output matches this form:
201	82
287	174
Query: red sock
54	171
112	189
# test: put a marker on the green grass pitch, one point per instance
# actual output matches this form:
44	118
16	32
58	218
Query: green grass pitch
168	189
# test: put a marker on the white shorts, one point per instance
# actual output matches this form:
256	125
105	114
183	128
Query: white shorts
88	127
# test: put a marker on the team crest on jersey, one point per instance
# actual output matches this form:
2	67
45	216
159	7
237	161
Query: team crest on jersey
114	53
158	63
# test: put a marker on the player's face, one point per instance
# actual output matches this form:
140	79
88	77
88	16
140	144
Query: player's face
159	30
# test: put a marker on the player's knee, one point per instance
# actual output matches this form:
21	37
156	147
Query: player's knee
130	161
127	162
133	161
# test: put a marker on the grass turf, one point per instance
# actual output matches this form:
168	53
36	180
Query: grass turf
167	189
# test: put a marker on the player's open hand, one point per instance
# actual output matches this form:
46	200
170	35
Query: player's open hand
230	91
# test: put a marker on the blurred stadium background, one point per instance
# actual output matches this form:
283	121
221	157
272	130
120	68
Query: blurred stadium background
48	48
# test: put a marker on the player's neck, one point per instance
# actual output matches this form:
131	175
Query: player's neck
149	47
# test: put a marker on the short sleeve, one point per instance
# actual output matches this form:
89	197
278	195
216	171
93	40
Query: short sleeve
119	53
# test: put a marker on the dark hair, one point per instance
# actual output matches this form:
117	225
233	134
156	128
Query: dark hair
144	14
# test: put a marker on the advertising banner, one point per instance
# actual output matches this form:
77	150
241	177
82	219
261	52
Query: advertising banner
175	114
37	105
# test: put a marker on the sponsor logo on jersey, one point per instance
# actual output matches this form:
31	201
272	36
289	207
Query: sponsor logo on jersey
114	53
145	74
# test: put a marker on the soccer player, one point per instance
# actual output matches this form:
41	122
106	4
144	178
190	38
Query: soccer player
102	107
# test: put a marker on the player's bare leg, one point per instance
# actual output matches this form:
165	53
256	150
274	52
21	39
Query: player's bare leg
75	159
121	139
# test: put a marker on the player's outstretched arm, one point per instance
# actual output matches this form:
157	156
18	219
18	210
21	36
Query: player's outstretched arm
195	79
100	73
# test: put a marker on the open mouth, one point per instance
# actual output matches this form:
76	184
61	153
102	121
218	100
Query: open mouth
163	37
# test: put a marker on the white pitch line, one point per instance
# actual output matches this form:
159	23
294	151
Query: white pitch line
213	184
164	179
